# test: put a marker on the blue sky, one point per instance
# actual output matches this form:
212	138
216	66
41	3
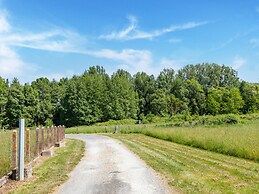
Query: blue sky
60	38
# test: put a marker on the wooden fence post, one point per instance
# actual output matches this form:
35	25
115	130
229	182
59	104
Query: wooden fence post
27	151
14	149
37	143
48	138
53	135
57	140
64	130
42	139
14	155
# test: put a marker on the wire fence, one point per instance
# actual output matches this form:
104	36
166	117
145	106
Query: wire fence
36	141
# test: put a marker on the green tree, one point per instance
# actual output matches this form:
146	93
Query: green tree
165	80
45	111
3	101
210	75
196	97
31	105
250	97
159	103
15	104
214	100
174	105
123	102
145	87
232	101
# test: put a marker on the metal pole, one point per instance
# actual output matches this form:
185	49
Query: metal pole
21	150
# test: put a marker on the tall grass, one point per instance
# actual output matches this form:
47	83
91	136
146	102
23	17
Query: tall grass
5	152
240	140
236	140
6	149
90	129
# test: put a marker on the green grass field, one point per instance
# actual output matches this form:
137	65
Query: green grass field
5	152
240	140
193	170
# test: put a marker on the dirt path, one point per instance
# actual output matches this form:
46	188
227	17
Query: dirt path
109	167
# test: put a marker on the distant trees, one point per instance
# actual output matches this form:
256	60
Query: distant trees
3	101
95	96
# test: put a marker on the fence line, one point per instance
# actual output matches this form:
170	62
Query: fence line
36	142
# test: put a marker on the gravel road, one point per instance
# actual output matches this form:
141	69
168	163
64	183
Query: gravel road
108	167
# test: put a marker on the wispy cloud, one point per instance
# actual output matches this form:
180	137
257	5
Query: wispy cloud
4	25
135	60
132	32
60	40
12	64
226	43
169	63
238	63
257	9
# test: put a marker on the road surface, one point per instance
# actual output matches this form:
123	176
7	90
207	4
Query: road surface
108	167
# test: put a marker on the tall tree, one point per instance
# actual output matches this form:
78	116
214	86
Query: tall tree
250	98
45	114
196	97
145	87
123	98
15	108
3	101
31	105
165	80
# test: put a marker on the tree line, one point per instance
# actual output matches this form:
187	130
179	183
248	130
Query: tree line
94	96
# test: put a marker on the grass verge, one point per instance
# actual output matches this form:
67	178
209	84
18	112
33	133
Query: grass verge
53	172
192	170
5	152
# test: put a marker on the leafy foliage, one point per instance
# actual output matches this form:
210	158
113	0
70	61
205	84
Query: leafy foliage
202	89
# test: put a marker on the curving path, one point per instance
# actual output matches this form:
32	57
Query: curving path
110	168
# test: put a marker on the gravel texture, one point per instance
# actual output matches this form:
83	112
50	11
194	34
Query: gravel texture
108	167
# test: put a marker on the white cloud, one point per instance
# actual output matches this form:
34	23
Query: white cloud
136	60
58	76
169	63
11	63
4	25
62	40
132	32
238	63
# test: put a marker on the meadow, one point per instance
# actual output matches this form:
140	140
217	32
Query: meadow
192	170
240	140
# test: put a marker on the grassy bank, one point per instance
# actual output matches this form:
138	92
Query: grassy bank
193	170
53	171
236	140
240	140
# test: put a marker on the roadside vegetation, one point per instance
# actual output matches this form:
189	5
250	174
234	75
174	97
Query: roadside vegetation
239	139
5	152
54	171
193	170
